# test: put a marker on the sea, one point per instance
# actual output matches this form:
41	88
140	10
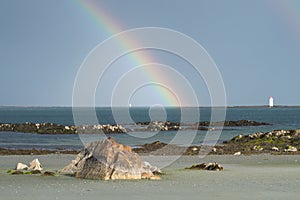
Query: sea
277	117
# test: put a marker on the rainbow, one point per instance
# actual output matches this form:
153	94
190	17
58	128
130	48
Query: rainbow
111	26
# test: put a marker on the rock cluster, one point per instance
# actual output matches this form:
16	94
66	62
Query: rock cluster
276	134
274	141
109	160
106	128
207	166
159	126
35	167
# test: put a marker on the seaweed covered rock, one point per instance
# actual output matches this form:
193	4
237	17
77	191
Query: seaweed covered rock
48	173
108	160
207	166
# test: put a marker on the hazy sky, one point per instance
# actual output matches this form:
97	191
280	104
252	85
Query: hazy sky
255	44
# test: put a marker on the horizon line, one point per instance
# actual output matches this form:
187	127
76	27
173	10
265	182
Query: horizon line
145	106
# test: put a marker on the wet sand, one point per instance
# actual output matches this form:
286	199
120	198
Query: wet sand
245	177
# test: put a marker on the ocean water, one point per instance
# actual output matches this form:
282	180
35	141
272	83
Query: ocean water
279	118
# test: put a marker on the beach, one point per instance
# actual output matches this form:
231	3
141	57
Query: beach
259	173
260	176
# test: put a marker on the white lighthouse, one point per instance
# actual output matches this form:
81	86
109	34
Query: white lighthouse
271	102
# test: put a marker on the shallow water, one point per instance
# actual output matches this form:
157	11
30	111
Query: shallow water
244	177
280	118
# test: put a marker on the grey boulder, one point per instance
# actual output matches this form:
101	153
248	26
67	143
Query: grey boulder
108	160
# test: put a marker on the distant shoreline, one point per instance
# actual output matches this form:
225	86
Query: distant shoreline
87	107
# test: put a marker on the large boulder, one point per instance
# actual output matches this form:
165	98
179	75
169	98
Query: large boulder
107	159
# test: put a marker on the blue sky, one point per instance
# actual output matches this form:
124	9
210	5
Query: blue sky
255	45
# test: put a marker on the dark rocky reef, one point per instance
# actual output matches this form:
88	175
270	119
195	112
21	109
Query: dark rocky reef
147	148
7	151
160	148
231	123
204	125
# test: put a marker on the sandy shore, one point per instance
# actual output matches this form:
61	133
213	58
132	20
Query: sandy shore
245	177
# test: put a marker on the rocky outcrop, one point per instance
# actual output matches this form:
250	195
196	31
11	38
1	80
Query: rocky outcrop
109	160
280	141
207	166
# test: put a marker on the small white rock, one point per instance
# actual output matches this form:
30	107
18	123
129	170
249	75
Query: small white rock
21	166
237	153
194	149
275	149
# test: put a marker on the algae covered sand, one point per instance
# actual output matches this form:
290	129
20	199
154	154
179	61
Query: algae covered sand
244	177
